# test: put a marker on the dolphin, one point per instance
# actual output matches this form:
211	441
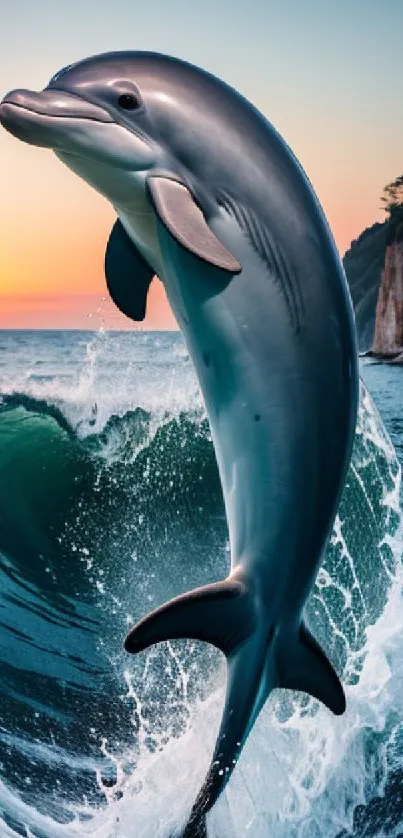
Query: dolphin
211	199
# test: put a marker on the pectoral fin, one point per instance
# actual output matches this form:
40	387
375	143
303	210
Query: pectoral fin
128	275
303	665
183	218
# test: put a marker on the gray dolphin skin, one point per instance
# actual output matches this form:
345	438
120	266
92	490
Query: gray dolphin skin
211	199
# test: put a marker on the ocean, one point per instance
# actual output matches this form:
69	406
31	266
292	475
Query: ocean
110	503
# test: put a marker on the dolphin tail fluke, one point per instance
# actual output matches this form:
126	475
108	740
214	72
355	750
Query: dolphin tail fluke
221	614
259	658
196	828
250	678
303	665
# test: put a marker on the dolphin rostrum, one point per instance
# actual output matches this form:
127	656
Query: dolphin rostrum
210	198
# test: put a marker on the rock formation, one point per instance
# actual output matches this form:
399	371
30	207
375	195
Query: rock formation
388	339
363	264
374	270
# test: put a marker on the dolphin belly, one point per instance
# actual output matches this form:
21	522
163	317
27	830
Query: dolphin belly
272	407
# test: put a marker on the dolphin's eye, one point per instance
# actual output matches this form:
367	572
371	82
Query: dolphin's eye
128	102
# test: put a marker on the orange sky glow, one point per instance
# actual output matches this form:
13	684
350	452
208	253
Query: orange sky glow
53	238
315	69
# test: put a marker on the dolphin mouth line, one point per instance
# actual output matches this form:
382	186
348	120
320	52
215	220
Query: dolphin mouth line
109	120
59	116
80	97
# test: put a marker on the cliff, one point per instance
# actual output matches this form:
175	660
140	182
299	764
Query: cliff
388	338
375	257
363	264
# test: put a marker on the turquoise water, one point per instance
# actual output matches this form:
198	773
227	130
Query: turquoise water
109	504
385	383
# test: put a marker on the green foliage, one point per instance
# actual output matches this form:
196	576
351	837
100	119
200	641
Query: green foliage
392	197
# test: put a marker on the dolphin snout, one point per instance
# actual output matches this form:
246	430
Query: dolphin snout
45	118
71	125
56	103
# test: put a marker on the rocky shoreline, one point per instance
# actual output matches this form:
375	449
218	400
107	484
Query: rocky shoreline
395	358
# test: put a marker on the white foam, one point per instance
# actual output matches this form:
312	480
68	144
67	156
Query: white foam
303	771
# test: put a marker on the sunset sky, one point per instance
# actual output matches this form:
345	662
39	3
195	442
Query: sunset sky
328	75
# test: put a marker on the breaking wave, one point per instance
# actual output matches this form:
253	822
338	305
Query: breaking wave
109	505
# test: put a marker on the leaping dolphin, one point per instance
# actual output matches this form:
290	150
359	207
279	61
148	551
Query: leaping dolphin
210	198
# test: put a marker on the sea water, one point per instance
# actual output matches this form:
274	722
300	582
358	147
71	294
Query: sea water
110	503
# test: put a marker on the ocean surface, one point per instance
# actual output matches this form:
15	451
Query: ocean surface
109	504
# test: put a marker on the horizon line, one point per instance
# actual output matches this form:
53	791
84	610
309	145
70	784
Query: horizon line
93	331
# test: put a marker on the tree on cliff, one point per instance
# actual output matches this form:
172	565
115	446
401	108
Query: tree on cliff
392	199
392	196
